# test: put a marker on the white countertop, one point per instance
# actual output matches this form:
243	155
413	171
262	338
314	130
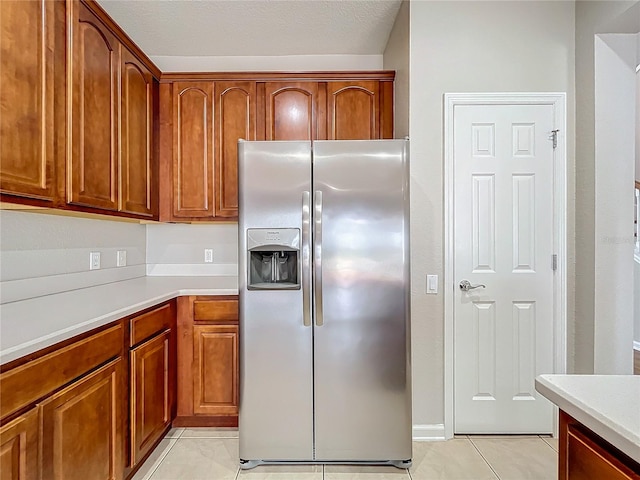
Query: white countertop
609	405
30	325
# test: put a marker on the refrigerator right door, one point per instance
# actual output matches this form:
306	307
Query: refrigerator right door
362	378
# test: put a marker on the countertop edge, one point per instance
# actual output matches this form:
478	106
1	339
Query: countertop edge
26	348
588	416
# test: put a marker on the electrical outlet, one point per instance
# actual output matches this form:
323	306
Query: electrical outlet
432	284
121	258
94	260
208	255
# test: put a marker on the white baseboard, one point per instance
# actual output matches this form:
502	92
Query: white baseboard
427	433
636	345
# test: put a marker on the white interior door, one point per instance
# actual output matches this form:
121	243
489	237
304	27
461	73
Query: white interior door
503	239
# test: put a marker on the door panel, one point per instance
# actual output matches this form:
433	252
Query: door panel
19	447
26	94
136	127
193	150
215	377
291	110
82	429
94	112
503	161
236	119
150	395
362	378
353	110
276	374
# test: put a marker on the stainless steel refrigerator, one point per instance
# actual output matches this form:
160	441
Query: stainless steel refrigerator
324	302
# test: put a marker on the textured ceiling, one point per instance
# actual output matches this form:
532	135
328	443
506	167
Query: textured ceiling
256	27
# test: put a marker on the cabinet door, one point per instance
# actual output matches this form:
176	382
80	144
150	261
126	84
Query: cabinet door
150	407
136	146
235	119
215	362
92	144
193	150
27	98
353	110
291	110
19	448
82	428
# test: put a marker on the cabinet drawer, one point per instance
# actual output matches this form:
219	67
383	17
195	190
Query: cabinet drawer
150	323
25	384
224	311
588	459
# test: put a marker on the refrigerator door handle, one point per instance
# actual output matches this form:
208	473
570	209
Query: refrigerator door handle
306	259
318	258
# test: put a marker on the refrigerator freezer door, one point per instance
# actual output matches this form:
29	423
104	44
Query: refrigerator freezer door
276	377
362	374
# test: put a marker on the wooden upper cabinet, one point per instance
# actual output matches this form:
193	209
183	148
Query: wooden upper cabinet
291	111
353	110
235	119
19	448
202	116
193	175
136	145
93	107
27	86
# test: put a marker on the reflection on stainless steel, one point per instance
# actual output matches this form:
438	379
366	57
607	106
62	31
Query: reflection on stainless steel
337	388
317	260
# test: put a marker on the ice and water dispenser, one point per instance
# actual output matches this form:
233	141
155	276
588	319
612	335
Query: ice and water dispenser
273	258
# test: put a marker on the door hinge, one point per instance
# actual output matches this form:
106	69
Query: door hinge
554	262
554	138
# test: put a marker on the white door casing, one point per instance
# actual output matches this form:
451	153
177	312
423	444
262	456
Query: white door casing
503	228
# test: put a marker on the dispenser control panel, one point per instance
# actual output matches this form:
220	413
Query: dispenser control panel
273	259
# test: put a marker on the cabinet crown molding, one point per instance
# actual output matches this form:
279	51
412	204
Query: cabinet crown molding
382	75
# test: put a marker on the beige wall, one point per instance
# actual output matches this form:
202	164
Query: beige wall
592	17
396	57
470	47
42	254
178	249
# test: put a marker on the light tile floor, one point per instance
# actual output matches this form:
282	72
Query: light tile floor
212	454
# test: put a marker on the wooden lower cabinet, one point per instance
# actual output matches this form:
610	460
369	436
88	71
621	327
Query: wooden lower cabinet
208	362
586	456
83	427
149	396
19	448
215	373
93	407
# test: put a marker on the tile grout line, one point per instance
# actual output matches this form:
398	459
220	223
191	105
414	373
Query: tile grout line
172	442
485	460
550	446
409	473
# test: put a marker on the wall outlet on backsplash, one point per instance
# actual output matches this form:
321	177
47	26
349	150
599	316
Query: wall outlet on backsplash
94	260
121	258
208	255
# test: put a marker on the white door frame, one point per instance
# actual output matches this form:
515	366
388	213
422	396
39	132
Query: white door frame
558	102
